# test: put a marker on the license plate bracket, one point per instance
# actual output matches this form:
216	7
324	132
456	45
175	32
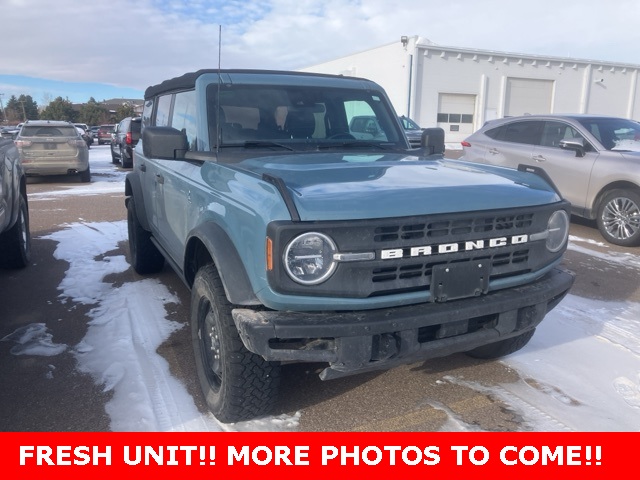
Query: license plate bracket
459	280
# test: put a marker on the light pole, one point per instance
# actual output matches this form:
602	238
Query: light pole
24	113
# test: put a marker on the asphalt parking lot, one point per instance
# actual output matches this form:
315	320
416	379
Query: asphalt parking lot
50	392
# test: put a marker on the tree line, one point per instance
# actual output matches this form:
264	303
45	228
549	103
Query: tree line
19	109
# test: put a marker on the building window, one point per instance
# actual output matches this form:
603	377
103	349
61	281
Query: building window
455	118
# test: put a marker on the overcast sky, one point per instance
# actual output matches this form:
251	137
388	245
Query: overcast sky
116	48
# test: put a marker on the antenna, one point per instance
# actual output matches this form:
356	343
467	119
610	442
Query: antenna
218	136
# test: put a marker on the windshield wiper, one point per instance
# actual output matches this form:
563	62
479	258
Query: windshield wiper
356	143
265	143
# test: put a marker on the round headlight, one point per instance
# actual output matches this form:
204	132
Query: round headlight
558	229
308	258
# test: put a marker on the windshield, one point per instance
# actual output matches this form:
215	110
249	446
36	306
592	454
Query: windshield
299	116
617	134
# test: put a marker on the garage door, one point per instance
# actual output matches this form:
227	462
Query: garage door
527	95
455	115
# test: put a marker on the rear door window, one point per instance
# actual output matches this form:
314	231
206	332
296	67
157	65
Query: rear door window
523	132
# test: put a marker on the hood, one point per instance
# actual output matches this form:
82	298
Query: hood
629	154
335	186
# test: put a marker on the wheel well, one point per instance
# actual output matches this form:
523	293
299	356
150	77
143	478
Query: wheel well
196	256
210	245
128	191
622	185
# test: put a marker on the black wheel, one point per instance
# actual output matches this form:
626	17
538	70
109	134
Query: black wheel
502	347
85	177
145	257
114	159
619	218
237	384
15	243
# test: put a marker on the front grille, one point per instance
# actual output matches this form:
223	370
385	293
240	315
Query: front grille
406	273
501	263
444	228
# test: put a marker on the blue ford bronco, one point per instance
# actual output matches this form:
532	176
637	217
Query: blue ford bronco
302	241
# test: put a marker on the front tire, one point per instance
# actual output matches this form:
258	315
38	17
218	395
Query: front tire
15	243
619	218
145	256
502	347
237	384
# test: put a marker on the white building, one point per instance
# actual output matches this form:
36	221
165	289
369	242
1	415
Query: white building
459	89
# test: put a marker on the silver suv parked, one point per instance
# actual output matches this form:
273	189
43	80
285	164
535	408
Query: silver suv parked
593	160
50	147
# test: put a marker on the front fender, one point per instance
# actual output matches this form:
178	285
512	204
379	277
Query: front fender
222	251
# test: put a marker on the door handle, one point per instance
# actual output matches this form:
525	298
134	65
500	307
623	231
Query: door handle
159	178
494	151
143	167
538	158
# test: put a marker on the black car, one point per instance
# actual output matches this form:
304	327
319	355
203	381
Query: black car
125	138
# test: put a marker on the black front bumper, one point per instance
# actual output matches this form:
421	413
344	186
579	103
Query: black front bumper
358	341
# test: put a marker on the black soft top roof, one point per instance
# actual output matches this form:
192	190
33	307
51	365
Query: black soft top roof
188	80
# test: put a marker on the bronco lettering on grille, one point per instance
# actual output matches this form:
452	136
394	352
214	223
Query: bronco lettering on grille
443	248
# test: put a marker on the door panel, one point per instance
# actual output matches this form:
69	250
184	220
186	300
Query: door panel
569	172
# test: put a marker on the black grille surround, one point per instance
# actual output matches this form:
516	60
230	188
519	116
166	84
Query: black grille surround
377	277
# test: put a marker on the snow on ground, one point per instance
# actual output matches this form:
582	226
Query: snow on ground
128	324
580	372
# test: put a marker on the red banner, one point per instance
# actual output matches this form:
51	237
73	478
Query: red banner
316	455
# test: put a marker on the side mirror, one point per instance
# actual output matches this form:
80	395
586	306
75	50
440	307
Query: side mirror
575	144
432	140
164	142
